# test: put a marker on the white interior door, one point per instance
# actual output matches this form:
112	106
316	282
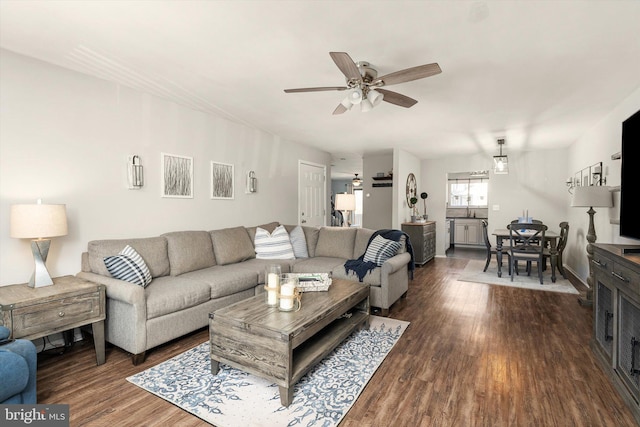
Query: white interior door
312	195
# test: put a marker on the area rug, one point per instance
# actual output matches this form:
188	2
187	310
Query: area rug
473	273
234	398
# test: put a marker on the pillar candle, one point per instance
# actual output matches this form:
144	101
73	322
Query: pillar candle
273	280
287	303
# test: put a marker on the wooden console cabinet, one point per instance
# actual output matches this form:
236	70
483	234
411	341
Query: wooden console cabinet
616	319
423	240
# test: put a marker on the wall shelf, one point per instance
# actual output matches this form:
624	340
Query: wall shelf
382	178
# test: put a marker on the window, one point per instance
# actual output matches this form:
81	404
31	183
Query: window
468	192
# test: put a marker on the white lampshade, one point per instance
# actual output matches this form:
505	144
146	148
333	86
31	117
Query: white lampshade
345	202
590	196
38	221
366	106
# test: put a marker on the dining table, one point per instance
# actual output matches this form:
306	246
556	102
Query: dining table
549	236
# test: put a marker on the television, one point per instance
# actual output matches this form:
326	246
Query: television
630	178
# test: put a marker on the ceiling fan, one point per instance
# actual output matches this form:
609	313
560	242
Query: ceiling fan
365	87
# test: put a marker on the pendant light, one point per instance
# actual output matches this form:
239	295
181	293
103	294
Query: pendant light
501	162
357	182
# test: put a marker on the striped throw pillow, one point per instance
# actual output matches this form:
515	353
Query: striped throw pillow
380	250
276	245
129	266
299	243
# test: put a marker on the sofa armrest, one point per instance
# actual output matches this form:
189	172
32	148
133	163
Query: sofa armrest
120	290
395	263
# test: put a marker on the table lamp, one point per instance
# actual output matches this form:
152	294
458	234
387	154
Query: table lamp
345	202
590	196
39	222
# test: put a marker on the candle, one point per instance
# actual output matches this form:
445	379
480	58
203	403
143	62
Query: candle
287	290
273	280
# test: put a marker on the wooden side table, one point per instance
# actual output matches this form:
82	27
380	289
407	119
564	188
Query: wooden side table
31	313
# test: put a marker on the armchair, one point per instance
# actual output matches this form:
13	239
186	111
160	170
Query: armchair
18	363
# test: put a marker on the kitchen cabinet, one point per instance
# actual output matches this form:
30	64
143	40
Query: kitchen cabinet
423	239
468	232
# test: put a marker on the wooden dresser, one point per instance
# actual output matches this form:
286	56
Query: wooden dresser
616	318
423	240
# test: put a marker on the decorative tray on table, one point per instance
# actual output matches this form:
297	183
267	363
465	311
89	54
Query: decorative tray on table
311	282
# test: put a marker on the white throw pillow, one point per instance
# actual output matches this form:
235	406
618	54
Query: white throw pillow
299	243
276	245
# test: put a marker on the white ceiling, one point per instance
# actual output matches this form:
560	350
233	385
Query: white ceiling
539	73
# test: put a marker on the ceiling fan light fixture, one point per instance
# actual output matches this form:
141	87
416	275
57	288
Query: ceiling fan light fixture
346	103
366	106
357	182
374	97
355	96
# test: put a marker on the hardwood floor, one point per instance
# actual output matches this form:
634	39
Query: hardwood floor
474	355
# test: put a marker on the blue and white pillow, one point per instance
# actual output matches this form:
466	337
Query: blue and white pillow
299	242
129	266
276	245
380	250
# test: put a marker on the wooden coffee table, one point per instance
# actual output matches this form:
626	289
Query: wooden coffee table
283	346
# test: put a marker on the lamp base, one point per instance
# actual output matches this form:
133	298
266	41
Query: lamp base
40	276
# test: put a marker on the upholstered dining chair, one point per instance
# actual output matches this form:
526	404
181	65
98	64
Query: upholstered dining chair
527	244
490	249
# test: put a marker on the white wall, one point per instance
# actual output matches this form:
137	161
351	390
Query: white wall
377	201
64	137
597	145
404	163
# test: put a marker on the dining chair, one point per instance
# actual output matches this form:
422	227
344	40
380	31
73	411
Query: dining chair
562	243
490	249
527	244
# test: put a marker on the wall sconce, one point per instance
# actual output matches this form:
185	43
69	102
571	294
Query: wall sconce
135	173
252	183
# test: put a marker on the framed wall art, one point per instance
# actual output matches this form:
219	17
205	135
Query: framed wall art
221	181
177	176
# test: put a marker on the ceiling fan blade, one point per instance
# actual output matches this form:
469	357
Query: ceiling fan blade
315	89
339	109
346	65
397	98
409	74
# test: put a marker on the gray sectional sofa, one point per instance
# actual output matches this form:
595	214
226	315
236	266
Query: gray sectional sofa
197	272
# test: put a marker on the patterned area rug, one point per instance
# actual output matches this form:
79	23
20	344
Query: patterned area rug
233	398
473	273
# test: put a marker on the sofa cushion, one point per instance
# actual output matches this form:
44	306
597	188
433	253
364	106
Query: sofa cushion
225	280
299	242
167	295
310	237
189	251
231	245
259	266
363	235
317	265
336	242
128	266
153	251
380	250
269	227
276	245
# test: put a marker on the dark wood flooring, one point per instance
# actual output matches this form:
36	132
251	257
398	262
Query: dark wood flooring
474	355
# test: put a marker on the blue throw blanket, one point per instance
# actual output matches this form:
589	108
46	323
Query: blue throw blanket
362	267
